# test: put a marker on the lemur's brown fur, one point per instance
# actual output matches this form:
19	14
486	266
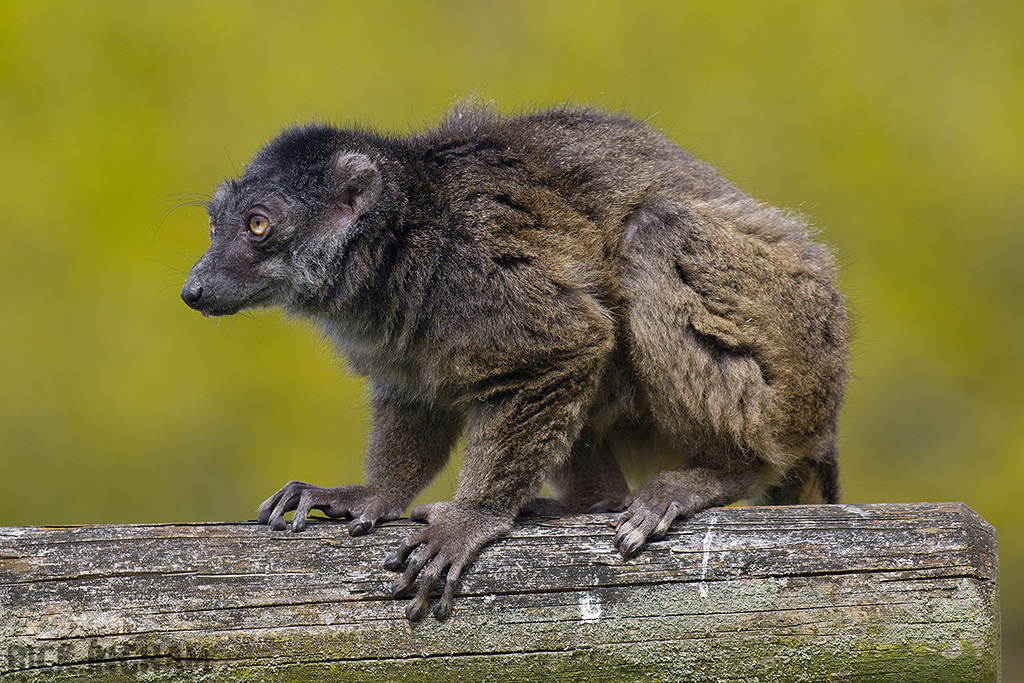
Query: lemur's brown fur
580	297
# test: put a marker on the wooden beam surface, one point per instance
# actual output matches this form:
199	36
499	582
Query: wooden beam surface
798	593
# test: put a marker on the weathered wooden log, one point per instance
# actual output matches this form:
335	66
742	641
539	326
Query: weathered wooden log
802	593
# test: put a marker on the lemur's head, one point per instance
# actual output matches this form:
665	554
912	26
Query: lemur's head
276	231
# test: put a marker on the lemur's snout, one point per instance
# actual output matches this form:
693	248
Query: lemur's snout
191	293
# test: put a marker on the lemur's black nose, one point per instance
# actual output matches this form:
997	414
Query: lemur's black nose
191	293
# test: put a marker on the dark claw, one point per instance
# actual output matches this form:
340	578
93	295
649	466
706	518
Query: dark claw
358	527
398	560
443	610
630	534
413	611
675	509
629	548
401	588
412	569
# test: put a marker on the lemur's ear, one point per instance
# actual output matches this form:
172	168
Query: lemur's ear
359	182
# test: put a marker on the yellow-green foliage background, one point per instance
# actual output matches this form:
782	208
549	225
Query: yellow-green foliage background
897	126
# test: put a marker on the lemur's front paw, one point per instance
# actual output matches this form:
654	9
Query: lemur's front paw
364	506
451	542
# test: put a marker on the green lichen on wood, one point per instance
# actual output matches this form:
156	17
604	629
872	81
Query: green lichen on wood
766	660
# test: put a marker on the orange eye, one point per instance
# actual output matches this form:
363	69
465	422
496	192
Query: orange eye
213	228
258	225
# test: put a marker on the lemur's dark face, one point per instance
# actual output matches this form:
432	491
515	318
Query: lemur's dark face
277	232
249	260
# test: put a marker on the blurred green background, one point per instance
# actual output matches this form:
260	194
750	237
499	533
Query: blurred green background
897	126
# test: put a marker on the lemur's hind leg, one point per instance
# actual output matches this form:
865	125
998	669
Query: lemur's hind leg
590	481
672	495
